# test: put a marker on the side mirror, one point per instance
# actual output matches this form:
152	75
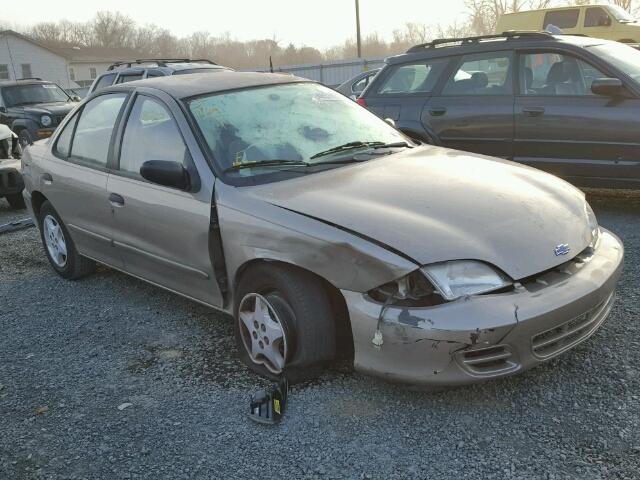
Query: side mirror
75	98
610	87
391	122
169	174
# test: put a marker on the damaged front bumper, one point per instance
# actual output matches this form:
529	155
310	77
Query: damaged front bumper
488	336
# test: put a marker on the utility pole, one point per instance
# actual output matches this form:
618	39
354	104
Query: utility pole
359	41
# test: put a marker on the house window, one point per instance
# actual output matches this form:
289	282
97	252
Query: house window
4	71
72	74
92	72
26	70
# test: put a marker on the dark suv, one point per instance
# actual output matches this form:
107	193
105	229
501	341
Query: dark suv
128	71
33	108
566	104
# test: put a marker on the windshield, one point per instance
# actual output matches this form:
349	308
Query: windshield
621	56
620	14
292	123
34	93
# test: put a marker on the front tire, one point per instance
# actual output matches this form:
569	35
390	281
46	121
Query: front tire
283	323
59	247
16	201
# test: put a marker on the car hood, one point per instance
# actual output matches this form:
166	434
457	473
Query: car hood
435	204
58	108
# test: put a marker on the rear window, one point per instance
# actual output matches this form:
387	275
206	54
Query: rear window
562	18
105	81
130	78
413	78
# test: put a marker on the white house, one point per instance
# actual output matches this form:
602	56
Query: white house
69	67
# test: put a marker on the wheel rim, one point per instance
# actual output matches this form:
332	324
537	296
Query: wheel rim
262	333
55	241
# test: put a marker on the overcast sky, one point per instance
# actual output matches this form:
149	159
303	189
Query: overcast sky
319	23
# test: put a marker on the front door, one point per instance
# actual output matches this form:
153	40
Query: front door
562	127
474	111
161	232
76	180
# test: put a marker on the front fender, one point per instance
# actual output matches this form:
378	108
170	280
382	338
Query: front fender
25	123
254	229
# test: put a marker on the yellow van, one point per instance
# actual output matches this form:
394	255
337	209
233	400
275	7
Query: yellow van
601	21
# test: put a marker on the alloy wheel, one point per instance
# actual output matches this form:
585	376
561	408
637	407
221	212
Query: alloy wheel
56	243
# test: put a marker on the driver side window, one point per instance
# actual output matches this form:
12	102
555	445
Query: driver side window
151	134
554	74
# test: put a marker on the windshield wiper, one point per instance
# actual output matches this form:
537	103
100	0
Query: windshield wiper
265	163
358	144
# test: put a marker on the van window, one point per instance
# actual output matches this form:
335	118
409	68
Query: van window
562	18
419	77
597	17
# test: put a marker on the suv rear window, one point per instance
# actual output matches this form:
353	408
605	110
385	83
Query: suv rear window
130	78
418	77
105	81
562	18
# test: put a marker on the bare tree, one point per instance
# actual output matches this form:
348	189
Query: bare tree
484	14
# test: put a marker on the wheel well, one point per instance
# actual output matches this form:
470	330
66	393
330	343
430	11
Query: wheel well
627	40
37	199
344	335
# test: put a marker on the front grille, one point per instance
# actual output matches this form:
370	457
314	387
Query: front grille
497	359
56	120
558	339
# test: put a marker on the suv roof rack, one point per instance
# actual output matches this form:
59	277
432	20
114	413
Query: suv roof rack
509	35
29	78
160	62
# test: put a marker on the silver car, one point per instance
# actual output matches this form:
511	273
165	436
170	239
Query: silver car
322	230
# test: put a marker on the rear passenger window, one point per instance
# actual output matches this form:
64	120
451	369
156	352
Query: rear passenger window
482	74
419	77
95	126
562	18
151	134
63	144
105	81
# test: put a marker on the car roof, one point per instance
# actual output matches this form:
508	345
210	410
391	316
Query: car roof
184	86
490	43
26	81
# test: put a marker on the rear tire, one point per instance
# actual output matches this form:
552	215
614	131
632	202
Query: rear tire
297	304
16	201
59	247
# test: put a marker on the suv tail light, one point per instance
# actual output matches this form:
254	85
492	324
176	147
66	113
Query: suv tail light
361	102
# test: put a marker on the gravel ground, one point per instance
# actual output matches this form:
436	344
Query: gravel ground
71	353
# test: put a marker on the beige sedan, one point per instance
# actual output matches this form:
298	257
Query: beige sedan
322	230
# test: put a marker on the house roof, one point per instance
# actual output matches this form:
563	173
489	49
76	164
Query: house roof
98	54
82	54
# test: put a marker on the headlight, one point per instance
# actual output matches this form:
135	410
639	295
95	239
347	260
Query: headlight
45	120
593	225
412	290
458	278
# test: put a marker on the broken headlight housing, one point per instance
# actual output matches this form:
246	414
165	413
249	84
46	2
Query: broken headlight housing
412	290
458	278
593	225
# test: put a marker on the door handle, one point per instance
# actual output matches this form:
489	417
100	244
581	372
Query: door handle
533	111
47	179
437	111
116	200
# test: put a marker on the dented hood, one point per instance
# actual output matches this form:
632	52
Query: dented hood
435	204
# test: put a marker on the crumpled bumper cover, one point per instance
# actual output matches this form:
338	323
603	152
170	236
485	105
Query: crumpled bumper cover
488	336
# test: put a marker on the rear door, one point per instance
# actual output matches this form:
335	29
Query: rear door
562	127
474	111
400	92
161	232
75	178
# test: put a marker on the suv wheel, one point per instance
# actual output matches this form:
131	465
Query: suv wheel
16	201
283	323
59	247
